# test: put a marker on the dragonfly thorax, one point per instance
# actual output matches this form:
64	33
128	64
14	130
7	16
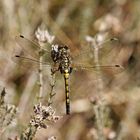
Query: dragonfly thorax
60	54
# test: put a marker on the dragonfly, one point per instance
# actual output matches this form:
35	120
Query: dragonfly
59	58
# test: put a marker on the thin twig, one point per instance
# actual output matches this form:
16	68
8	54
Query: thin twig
99	107
42	36
40	76
52	93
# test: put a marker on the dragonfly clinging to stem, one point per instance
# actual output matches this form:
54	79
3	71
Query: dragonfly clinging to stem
60	57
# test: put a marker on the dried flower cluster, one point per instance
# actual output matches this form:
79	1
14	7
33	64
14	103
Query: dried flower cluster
43	113
42	116
44	36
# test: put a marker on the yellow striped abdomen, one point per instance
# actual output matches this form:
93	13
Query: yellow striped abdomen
66	78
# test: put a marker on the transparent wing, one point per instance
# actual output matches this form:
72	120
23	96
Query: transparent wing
105	49
111	69
109	52
26	61
28	53
107	57
28	46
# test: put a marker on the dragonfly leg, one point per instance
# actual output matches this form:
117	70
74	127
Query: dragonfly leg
54	69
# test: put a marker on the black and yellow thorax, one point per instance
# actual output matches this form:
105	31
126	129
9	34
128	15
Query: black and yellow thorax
61	56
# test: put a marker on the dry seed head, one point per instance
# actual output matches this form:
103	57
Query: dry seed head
89	39
41	114
44	36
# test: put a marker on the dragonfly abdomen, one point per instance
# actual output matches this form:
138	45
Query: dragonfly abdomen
66	78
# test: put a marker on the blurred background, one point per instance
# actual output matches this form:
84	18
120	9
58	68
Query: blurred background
71	21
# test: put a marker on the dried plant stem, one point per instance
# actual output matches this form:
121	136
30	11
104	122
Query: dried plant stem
99	120
43	36
40	78
99	77
40	70
52	93
29	133
99	107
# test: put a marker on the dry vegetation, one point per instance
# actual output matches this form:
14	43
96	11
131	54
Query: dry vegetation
104	106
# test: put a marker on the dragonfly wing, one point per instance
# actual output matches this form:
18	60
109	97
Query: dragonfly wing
30	47
107	55
116	67
108	52
27	53
112	69
27	61
105	49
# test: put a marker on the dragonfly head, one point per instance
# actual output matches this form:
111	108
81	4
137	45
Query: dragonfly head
63	48
55	53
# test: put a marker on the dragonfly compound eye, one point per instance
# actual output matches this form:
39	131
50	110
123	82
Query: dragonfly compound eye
55	48
55	53
66	47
